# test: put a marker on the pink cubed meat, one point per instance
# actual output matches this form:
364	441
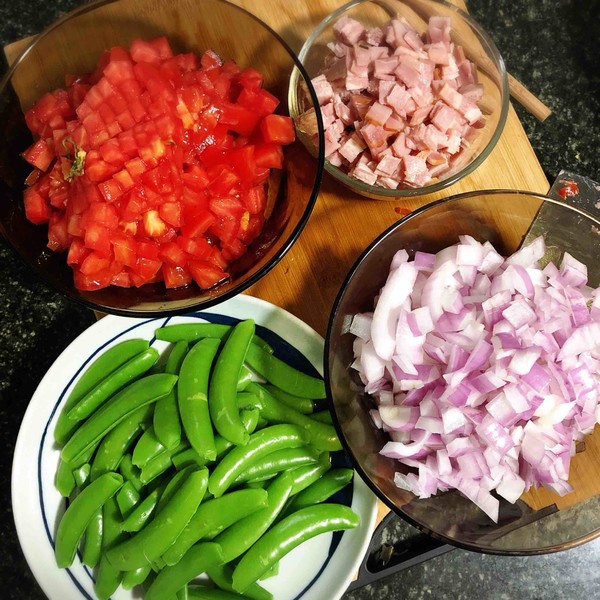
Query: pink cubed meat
323	89
415	170
348	30
378	114
352	147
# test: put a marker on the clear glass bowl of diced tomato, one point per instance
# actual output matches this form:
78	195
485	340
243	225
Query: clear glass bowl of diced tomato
413	95
156	169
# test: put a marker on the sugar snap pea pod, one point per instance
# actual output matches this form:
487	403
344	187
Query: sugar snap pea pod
302	405
135	577
191	332
64	480
287	535
130	472
137	394
304	476
277	461
107	577
192	390
160	464
79	513
153	540
92	543
182	593
201	592
324	416
100	369
260	444
221	575
282	375
244	379
173	485
272	572
146	448
322	489
246	400
167	423
125	374
81	474
115	444
213	516
235	540
222	398
171	579
322	435
143	512
262	344
127	498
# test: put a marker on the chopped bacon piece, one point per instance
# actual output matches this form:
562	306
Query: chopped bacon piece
323	89
388	166
349	30
378	114
415	170
352	147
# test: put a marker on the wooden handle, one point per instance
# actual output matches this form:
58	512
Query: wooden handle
528	100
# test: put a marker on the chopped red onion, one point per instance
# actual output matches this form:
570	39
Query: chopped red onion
484	370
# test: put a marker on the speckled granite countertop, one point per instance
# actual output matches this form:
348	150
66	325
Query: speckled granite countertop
553	47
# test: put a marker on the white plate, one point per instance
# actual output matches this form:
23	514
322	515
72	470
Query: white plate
320	568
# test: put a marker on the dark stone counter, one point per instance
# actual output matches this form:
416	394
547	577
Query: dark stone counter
553	47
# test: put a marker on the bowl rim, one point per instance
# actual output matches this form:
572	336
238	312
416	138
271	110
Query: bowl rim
382	193
326	376
71	293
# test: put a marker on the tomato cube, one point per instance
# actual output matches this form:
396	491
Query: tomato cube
124	249
206	274
175	276
37	208
277	129
39	155
98	238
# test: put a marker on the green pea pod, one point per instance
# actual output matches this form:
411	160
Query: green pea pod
124	375
147	448
322	435
167	423
160	464
303	405
200	592
222	398
127	498
221	576
153	540
100	369
137	394
115	444
135	577
287	535
81	474
244	379
192	391
277	461
246	400
322	489
191	332
304	476
212	517
260	444
130	472
142	513
64	480
79	513
324	416
171	579
173	485
182	593
92	543
272	572
235	540
282	375
107	577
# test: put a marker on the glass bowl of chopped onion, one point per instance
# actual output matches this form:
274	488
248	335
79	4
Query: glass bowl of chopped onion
156	169
462	361
413	95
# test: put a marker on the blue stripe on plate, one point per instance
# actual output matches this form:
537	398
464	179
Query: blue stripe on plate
282	349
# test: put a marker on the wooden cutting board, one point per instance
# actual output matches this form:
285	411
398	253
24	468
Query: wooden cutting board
343	223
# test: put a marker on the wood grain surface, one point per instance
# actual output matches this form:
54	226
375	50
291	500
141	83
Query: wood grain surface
343	223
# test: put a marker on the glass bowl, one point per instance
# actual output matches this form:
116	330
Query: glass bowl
478	47
229	30
540	521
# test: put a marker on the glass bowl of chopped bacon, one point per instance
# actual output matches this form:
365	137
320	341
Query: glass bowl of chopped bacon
413	95
462	360
157	168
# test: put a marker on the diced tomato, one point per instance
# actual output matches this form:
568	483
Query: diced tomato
251	229
234	250
37	208
226	229
250	79
154	226
144	52
161	45
198	247
197	223
170	212
239	119
259	101
39	155
269	156
145	269
195	177
124	249
77	252
277	129
173	254
93	263
100	213
122	279
242	161
110	190
227	206
175	276
148	249
99	170
223	181
98	238
206	274
58	236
